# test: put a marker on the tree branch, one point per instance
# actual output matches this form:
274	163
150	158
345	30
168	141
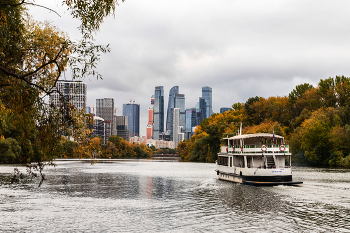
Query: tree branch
29	3
8	4
24	77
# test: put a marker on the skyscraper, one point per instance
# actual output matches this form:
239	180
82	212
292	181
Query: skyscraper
191	117
224	109
132	111
105	110
73	92
207	96
179	102
158	113
176	126
122	127
201	109
171	104
150	119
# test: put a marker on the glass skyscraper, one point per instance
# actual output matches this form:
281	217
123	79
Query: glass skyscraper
173	91
207	96
225	109
176	126
191	116
158	112
132	111
201	109
179	102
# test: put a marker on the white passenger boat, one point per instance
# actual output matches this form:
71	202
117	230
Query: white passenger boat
256	159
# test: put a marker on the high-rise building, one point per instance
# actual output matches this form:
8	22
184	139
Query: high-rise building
102	128
150	119
105	110
171	104
132	111
73	92
176	125
158	113
191	119
225	109
122	127
201	109
180	103
207	96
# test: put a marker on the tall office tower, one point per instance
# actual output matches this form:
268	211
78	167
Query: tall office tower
73	92
225	109
179	102
207	96
132	111
201	109
105	110
171	104
150	119
158	113
191	121
122	127
176	125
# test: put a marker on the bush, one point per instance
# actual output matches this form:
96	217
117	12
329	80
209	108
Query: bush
9	150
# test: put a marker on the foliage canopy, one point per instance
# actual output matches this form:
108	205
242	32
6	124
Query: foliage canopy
314	120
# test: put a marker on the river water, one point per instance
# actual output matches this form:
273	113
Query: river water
170	196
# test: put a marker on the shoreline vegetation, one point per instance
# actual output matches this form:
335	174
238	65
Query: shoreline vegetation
315	122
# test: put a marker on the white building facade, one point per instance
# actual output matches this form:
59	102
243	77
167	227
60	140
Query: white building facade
73	92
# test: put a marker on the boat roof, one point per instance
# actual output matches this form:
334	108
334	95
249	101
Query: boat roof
256	135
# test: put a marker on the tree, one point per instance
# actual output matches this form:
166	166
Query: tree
314	138
33	56
250	111
298	92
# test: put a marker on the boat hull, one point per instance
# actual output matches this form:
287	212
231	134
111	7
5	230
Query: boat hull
259	183
258	180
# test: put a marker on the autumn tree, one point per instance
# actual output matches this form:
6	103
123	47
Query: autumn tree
33	56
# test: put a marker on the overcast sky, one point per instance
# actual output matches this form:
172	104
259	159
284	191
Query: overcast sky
239	48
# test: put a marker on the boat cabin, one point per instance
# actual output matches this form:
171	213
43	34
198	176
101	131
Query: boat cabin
261	150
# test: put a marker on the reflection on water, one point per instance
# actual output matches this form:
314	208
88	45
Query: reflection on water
160	196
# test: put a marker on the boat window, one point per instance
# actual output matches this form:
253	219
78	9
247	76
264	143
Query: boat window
223	161
230	161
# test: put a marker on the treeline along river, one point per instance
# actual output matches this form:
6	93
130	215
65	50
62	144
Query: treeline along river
170	196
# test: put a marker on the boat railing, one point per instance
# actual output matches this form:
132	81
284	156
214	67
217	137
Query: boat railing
275	148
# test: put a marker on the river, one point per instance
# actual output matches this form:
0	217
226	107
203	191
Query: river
169	196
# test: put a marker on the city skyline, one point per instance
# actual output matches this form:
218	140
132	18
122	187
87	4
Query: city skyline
244	49
177	102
